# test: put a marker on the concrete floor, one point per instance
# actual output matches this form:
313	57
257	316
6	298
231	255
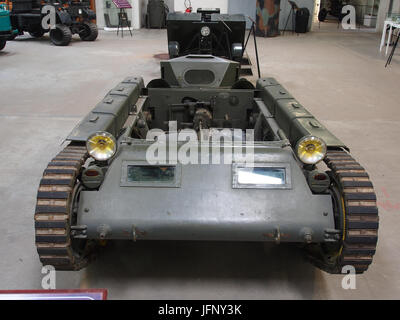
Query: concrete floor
339	76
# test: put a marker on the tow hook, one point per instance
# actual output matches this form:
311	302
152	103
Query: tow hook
332	235
79	232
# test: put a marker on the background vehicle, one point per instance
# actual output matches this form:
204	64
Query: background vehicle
72	17
206	32
332	7
304	186
5	26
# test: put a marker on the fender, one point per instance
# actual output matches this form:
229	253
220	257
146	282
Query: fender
89	14
63	17
111	113
295	120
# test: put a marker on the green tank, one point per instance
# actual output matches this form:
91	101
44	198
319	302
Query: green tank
201	155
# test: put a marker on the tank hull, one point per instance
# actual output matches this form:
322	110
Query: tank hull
216	160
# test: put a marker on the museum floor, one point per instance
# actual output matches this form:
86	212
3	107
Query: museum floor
339	76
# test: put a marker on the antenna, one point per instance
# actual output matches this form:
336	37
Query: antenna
253	29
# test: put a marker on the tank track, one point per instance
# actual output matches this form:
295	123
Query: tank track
53	212
359	218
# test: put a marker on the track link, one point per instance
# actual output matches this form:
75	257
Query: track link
53	212
360	220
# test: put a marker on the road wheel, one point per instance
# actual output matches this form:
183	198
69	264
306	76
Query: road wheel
37	33
88	32
2	44
61	35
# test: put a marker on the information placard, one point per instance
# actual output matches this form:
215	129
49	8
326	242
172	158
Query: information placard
122	4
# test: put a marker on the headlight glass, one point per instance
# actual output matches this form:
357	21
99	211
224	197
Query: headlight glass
205	31
311	150
101	146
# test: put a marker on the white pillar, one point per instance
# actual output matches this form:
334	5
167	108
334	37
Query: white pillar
382	12
136	14
100	14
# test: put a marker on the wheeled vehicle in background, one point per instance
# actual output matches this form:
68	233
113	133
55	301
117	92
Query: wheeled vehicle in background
331	7
72	17
5	26
112	181
206	32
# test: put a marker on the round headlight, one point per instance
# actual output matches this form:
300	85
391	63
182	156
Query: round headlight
205	31
311	150
101	145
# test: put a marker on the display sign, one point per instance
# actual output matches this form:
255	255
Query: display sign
138	174
84	294
261	176
122	4
151	174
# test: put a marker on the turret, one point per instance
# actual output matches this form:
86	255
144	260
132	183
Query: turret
200	71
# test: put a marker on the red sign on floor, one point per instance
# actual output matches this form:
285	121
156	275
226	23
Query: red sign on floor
84	294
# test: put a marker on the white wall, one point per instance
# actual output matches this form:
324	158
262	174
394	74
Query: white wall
136	14
170	4
246	7
396	5
383	10
222	4
100	14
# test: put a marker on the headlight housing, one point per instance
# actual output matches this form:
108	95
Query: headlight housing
205	31
311	150
101	146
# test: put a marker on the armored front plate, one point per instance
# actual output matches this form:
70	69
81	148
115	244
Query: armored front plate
206	205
